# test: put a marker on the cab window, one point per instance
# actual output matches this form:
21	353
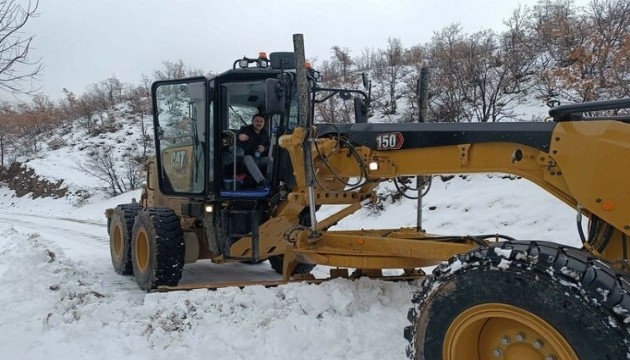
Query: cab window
179	110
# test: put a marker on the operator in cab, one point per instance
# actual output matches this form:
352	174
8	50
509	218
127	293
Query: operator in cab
255	142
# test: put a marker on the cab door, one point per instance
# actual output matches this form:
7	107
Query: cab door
180	115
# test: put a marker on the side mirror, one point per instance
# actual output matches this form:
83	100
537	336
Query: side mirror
282	60
275	96
360	111
366	82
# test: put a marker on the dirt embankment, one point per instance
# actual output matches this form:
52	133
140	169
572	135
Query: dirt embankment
23	181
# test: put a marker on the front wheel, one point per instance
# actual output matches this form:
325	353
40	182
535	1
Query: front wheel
521	300
277	261
157	248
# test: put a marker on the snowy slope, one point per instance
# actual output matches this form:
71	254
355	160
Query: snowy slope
62	300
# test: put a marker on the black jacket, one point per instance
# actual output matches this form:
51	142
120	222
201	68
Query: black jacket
251	145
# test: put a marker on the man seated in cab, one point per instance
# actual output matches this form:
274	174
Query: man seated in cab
255	142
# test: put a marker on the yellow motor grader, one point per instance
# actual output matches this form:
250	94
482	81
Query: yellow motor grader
486	299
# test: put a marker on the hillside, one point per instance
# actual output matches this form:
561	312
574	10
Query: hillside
78	160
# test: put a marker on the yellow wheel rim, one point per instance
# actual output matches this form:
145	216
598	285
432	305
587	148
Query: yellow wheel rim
142	250
117	241
499	331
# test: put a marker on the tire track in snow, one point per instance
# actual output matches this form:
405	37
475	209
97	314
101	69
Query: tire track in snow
80	240
88	241
39	216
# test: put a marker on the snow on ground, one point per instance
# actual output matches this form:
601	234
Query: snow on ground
62	300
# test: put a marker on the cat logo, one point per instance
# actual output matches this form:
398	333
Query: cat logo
178	161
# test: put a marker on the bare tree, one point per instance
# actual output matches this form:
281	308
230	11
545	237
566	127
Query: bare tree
415	60
120	173
609	38
7	131
15	65
519	49
450	89
342	55
621	68
393	65
103	166
489	76
336	74
175	70
113	89
367	59
139	97
87	108
146	140
106	94
132	169
558	29
33	124
559	32
328	111
589	49
475	77
68	107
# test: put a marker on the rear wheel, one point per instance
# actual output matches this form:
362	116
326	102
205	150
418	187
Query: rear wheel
521	300
119	227
157	248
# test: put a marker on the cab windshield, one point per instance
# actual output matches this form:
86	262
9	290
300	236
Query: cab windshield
244	99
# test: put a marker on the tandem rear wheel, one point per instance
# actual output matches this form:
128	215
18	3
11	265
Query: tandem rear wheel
120	225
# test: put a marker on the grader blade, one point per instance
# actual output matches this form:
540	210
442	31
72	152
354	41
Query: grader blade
190	282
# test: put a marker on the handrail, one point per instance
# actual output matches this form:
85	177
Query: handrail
233	134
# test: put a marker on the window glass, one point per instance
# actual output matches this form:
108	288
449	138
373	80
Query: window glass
181	110
293	115
244	100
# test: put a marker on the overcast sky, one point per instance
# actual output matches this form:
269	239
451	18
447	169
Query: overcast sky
86	41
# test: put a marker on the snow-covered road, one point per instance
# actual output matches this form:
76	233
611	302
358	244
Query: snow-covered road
60	298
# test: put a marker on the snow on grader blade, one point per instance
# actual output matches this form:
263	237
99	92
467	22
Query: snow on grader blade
242	168
269	281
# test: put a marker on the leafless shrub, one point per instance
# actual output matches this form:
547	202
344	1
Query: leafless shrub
105	166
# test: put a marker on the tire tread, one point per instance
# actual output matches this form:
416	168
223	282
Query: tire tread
602	284
164	225
127	213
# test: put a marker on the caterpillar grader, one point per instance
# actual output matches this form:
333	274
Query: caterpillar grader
486	298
